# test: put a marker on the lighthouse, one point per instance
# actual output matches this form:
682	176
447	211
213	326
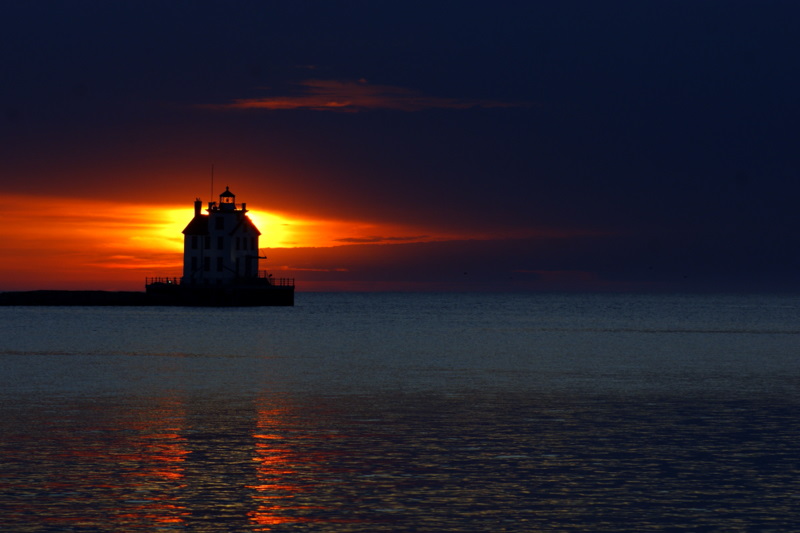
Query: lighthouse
220	262
220	247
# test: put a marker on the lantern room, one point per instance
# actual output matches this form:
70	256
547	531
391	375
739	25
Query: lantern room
227	200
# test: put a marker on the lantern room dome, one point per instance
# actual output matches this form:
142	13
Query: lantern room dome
227	197
227	200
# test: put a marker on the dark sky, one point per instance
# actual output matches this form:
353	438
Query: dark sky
565	144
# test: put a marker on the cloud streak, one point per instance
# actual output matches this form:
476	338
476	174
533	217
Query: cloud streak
378	239
356	96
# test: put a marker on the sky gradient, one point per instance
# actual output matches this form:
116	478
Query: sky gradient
451	145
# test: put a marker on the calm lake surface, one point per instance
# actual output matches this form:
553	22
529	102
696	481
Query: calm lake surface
404	412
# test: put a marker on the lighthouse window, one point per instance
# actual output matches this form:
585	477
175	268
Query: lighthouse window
255	244
220	223
220	242
194	264
219	264
207	242
194	242
238	243
207	264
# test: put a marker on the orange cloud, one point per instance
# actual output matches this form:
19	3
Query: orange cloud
354	96
372	239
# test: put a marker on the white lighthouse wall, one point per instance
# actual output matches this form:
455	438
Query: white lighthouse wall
228	252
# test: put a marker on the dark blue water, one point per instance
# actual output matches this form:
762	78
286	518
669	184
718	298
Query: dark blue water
404	412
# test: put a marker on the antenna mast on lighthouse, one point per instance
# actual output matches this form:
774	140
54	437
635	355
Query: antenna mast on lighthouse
212	182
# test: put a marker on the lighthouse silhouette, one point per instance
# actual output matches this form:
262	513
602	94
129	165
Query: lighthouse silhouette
221	245
220	262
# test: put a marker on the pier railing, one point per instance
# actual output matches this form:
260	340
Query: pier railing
262	274
161	279
281	282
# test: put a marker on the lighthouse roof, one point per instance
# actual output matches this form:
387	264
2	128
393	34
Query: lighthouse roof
227	193
198	226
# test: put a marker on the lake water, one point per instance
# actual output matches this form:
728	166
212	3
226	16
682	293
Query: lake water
404	412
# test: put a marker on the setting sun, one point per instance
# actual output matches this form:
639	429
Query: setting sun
275	230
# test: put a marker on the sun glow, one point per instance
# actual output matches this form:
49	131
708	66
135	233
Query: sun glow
166	227
276	230
61	242
282	230
287	231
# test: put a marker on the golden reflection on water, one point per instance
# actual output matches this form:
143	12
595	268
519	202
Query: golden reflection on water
273	464
283	455
157	460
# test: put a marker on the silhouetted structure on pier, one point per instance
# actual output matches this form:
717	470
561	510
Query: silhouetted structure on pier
220	262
